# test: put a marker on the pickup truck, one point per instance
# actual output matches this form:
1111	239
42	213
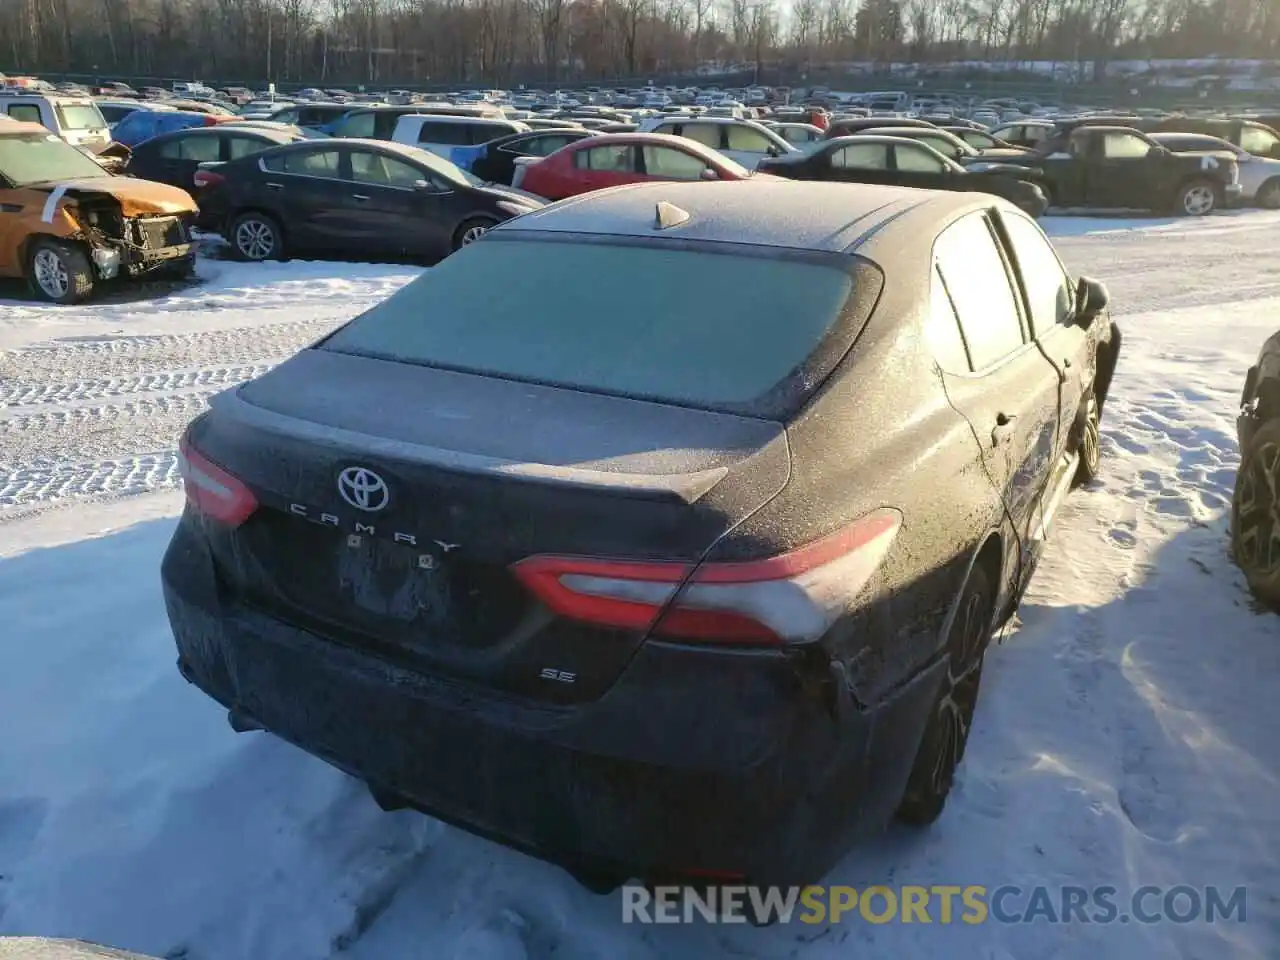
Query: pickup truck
1115	167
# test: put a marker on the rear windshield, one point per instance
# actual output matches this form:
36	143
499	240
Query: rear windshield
704	329
80	116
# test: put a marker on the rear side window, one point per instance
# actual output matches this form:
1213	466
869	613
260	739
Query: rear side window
707	134
307	163
539	146
703	329
238	147
202	149
26	112
974	273
615	159
861	156
942	328
484	132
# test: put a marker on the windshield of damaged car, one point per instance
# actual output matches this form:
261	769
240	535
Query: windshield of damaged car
41	158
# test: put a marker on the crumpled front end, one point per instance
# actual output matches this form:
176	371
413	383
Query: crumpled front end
130	245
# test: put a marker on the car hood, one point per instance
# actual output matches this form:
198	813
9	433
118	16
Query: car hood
135	196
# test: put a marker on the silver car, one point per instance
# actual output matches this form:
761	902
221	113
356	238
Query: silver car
1259	176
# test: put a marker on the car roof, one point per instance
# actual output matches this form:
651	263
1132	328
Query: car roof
794	214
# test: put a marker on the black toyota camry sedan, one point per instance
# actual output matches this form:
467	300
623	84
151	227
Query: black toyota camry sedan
350	196
906	162
692	581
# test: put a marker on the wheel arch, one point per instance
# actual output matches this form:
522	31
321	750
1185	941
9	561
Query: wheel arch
989	556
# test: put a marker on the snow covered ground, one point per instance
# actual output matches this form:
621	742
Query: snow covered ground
1127	733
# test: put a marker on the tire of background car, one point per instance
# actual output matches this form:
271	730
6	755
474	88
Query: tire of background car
1089	444
58	271
1268	195
1255	540
1196	198
951	714
256	237
471	230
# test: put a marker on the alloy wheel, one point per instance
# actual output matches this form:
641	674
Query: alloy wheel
472	234
1198	200
51	274
960	690
1091	440
255	239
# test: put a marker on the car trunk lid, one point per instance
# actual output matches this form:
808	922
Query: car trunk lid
394	500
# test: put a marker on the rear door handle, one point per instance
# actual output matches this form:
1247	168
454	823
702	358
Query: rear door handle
359	196
273	186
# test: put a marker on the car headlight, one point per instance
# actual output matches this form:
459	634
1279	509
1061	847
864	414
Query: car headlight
515	209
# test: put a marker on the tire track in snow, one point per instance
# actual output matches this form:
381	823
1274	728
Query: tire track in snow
32	394
98	431
60	371
142	473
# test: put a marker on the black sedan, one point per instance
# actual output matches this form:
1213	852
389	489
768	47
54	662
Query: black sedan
175	157
644	593
866	158
496	162
352	196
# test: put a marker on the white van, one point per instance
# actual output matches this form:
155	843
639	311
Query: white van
458	139
76	120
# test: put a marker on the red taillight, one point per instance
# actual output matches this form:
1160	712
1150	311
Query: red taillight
212	490
789	598
206	178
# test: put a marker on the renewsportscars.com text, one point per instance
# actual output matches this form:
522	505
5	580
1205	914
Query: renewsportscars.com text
939	903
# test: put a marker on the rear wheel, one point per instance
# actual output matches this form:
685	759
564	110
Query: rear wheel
59	272
1268	195
1255	509
1196	198
256	237
947	733
470	231
1090	444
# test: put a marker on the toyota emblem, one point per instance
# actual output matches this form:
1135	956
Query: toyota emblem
363	489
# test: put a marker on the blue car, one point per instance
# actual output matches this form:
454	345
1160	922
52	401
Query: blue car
145	124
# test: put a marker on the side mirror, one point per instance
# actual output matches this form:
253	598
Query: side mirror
775	150
422	184
709	174
1092	298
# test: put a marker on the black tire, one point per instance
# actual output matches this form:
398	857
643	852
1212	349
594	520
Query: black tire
951	714
1090	442
1255	535
1196	198
1268	196
256	237
471	230
59	272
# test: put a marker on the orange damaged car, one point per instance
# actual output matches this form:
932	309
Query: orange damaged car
66	224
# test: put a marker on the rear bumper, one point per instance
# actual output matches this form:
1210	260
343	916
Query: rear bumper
693	761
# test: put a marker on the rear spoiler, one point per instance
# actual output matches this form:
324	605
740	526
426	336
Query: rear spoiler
681	487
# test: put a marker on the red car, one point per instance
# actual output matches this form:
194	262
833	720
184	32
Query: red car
617	158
